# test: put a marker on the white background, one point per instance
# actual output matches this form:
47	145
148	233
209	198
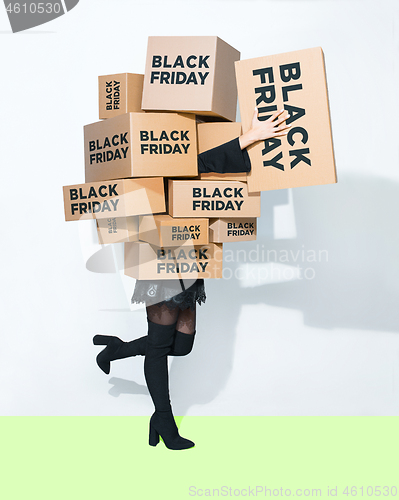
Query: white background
278	346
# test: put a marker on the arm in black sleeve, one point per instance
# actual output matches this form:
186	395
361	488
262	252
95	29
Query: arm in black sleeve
228	158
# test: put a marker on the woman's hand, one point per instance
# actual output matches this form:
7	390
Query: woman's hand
262	130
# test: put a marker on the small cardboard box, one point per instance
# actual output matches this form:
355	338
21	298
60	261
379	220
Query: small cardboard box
119	94
118	229
165	231
225	230
191	73
294	81
141	145
189	198
146	262
120	198
213	134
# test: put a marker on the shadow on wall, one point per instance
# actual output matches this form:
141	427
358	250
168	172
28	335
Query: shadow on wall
354	226
356	221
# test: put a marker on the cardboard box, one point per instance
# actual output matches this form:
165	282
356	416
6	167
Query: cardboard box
118	229
119	198
146	262
225	230
165	231
119	94
213	134
191	73
212	199
294	81
141	145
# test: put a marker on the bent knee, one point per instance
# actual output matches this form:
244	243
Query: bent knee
183	344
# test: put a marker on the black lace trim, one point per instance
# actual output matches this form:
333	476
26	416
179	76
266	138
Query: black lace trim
157	293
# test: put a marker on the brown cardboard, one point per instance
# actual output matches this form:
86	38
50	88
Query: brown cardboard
213	134
118	198
165	231
191	73
141	145
294	81
213	176
225	230
146	262
189	198
117	229
119	94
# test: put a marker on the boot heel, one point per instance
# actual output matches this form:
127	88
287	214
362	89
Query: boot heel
154	437
102	339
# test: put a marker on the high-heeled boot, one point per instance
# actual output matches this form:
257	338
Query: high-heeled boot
159	342
118	349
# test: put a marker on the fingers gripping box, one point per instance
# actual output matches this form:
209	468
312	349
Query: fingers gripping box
191	73
294	81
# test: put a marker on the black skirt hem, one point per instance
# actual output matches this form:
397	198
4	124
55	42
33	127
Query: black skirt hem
170	293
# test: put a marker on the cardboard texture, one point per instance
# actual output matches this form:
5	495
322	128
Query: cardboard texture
213	134
230	230
191	73
165	231
294	81
119	198
189	198
141	145
118	230
146	262
119	94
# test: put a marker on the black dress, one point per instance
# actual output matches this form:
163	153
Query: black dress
225	159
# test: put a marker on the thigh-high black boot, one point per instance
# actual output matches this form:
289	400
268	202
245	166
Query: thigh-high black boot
117	349
159	343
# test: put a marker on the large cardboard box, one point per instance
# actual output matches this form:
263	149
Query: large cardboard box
226	230
294	81
191	73
165	231
118	229
119	94
146	262
119	198
141	145
189	198
213	134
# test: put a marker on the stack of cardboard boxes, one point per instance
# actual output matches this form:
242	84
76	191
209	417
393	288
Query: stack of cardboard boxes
142	183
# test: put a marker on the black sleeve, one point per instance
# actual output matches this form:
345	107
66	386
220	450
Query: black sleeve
225	159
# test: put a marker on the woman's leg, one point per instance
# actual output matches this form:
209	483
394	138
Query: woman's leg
182	343
162	315
185	333
162	323
186	321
